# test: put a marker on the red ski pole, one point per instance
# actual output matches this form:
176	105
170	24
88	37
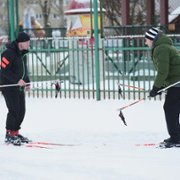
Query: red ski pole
124	107
135	102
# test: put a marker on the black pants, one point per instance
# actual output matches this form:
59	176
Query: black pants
172	110
15	102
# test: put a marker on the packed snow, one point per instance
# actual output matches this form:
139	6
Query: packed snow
103	147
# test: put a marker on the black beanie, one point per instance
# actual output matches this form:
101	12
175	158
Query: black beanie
151	33
23	37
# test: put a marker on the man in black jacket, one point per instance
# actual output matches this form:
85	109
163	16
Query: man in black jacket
14	71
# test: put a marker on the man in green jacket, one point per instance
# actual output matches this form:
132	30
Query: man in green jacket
166	60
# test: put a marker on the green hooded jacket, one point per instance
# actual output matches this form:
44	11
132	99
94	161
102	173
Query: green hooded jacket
166	60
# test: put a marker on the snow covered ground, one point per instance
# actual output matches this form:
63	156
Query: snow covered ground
104	148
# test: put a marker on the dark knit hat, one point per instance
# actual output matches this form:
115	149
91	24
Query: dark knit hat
151	33
23	37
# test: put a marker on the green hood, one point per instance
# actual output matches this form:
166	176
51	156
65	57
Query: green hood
162	39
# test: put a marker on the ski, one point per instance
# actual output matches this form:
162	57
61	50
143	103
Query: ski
28	145
36	146
146	144
40	144
160	145
49	143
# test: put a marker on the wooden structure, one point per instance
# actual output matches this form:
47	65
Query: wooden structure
174	21
150	12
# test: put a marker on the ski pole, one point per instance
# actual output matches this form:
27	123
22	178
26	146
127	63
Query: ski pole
130	86
171	85
57	85
131	104
124	107
12	85
135	87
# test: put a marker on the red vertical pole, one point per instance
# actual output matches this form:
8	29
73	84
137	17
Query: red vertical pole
125	12
150	12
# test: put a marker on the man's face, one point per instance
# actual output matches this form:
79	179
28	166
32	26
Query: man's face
148	42
24	45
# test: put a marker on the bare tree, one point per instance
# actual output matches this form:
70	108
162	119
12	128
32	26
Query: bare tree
137	12
46	10
58	8
113	11
3	18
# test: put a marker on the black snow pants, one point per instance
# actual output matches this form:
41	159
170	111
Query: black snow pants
172	110
15	102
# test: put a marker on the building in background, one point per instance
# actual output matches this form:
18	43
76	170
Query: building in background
56	16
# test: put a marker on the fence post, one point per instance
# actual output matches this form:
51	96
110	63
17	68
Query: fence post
96	49
11	19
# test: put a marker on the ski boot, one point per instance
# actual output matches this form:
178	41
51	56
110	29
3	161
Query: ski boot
12	139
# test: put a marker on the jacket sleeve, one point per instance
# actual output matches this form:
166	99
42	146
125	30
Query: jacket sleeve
26	78
6	69
161	60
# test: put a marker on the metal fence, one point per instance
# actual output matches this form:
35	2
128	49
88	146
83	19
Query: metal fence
122	60
124	63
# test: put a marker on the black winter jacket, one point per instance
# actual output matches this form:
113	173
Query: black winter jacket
13	65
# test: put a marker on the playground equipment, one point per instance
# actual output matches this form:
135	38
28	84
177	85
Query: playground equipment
80	25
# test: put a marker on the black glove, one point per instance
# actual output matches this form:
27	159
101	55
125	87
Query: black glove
154	91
